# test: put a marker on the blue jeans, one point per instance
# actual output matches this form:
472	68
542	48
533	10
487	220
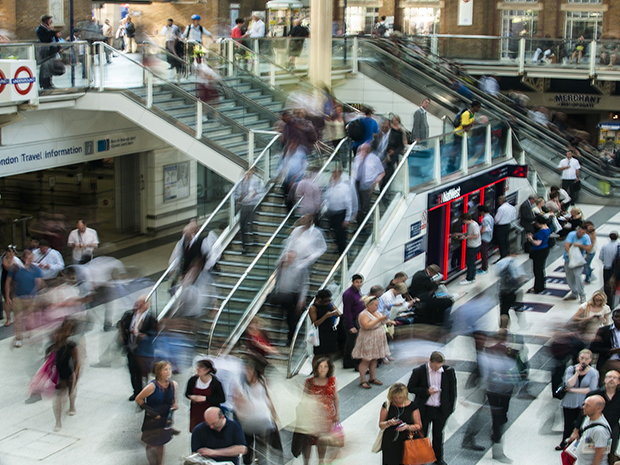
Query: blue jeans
589	257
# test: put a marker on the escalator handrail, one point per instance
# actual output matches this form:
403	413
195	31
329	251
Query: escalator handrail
220	206
256	259
333	271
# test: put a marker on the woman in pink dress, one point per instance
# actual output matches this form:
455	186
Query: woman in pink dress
323	389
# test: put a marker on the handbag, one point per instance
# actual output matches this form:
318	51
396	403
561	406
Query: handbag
376	447
418	450
46	378
575	258
560	392
335	438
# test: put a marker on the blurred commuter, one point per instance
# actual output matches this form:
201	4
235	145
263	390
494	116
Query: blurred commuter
526	214
323	389
308	191
369	127
130	34
68	368
591	232
593	314
292	165
340	206
187	249
367	172
352	306
399	416
257	31
607	255
219	438
419	131
540	252
203	390
258	344
83	241
298	34
579	380
606	344
172	36
334	130
257	416
46	35
432	308
247	195
467	119
581	240
486	237
22	286
473	241
371	344
504	217
397	140
323	314
9	261
108	33
380	140
158	400
137	328
511	277
434	387
570	167
50	261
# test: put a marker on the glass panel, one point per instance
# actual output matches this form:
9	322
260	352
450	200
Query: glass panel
422	163
473	48
63	65
421	21
14	52
608	53
476	145
515	25
499	139
450	153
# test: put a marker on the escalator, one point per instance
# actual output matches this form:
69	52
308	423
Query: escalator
543	148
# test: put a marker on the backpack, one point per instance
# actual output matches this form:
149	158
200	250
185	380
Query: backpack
130	28
381	29
356	130
457	118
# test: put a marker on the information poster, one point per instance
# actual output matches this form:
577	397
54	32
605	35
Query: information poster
176	181
466	12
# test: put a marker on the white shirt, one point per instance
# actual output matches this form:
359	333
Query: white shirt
341	196
569	174
195	33
170	32
257	30
367	170
434	380
506	214
77	239
308	244
389	300
52	258
608	253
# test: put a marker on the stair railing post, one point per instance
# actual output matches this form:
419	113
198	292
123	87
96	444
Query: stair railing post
522	55
256	59
437	161
405	175
376	227
344	270
149	90
464	160
250	148
231	56
354	67
592	58
434	47
231	211
488	148
101	69
272	74
508	147
198	119
266	160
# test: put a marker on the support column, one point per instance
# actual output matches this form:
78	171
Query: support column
321	13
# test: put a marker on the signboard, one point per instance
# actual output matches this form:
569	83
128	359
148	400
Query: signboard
25	158
415	247
18	80
415	229
176	181
466	12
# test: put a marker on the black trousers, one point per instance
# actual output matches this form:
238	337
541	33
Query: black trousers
499	404
335	224
347	360
569	186
570	417
288	301
539	262
246	218
137	371
502	237
435	416
265	448
506	301
609	292
470	261
364	197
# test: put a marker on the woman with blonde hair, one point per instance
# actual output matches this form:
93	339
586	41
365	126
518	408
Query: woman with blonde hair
593	314
398	416
158	399
371	344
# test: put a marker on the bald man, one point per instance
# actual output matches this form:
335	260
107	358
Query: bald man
83	241
219	438
595	438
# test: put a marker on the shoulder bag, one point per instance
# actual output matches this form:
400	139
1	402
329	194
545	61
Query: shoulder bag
418	450
376	447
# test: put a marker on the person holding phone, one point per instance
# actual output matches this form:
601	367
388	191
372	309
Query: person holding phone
398	416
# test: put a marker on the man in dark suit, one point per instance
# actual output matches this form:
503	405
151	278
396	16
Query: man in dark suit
526	214
137	329
431	309
434	386
606	344
419	130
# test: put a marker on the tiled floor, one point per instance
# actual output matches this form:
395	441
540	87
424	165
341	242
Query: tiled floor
106	429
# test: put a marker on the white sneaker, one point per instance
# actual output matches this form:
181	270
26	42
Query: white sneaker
582	300
17	343
465	282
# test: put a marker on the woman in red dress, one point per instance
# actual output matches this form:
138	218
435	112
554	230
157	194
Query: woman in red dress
204	390
323	389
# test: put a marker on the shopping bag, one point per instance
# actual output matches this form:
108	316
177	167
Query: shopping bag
313	336
335	438
575	257
45	379
418	450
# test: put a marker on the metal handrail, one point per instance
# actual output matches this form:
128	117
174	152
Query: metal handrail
220	206
260	254
334	269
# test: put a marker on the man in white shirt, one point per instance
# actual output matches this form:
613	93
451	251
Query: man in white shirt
257	30
607	255
49	260
595	441
367	172
83	241
570	167
340	206
504	217
473	247
247	195
194	31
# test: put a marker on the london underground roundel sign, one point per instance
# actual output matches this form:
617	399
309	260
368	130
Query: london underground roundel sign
23	84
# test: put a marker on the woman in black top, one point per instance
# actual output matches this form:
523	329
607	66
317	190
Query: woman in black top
394	149
204	390
68	366
322	314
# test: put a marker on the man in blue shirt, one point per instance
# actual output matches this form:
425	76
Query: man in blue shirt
219	438
371	127
21	288
577	238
